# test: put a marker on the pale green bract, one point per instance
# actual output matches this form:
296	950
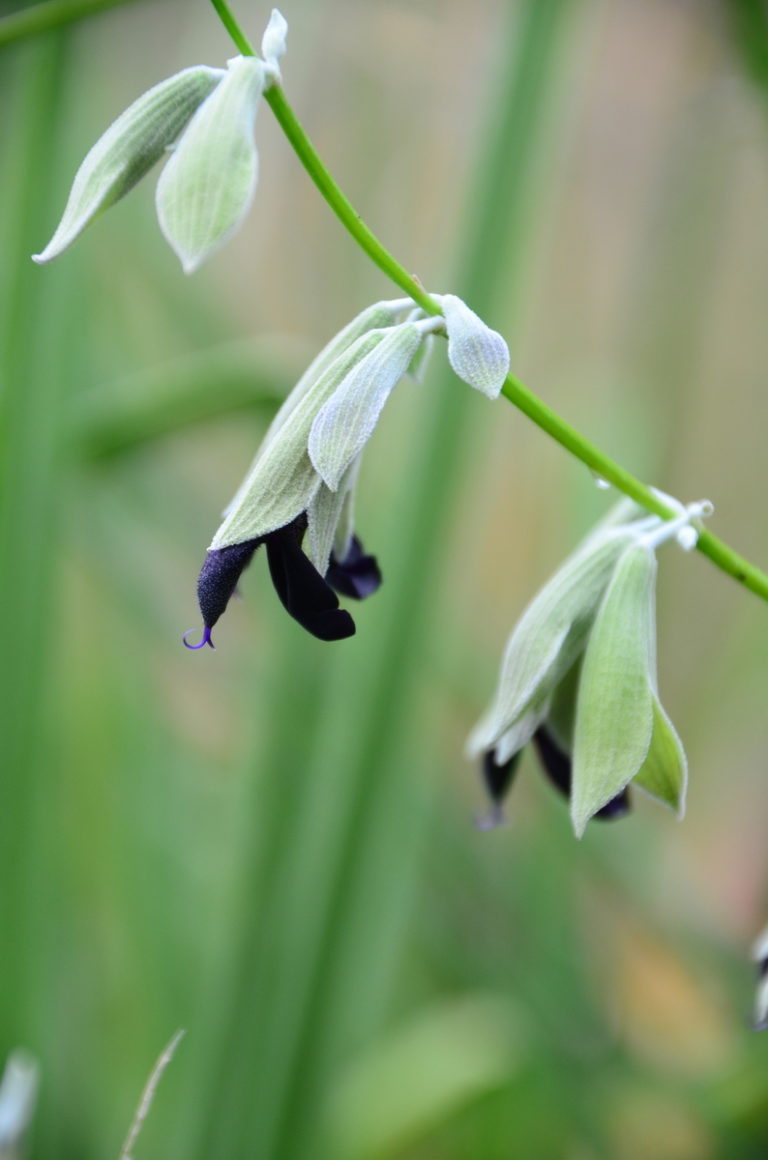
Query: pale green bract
549	637
478	355
273	42
128	150
622	733
208	185
283	481
330	519
345	423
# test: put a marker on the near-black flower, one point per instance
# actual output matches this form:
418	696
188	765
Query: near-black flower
302	590
356	575
557	765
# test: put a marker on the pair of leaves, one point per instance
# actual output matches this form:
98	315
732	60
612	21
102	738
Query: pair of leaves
207	116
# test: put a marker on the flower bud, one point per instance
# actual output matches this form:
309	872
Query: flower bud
478	355
129	149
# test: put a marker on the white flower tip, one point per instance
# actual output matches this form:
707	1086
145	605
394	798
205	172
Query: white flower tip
42	258
273	42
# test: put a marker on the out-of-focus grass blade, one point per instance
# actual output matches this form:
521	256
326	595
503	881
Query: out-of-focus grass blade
334	895
418	1075
233	378
32	380
34	19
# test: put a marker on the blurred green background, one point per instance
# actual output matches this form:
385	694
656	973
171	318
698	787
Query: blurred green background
271	845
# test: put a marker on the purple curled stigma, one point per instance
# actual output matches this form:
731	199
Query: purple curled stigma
206	639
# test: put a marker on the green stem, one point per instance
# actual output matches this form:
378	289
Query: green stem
341	205
724	557
233	28
53	14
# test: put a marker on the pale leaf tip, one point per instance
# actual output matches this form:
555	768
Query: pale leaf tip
579	824
191	264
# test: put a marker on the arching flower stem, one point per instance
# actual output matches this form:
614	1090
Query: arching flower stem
515	391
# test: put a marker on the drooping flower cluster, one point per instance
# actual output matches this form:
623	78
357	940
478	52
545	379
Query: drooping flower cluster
578	678
298	497
205	117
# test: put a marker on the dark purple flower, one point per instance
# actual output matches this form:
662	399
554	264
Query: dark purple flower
302	590
557	765
498	778
555	761
357	575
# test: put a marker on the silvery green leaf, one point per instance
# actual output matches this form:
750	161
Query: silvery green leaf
561	714
552	632
664	773
614	717
345	423
518	736
207	186
417	368
478	355
345	527
129	148
282	481
325	514
273	41
376	317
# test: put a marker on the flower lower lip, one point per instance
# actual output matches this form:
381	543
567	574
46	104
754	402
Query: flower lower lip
304	593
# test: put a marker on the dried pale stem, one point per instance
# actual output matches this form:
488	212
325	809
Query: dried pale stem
148	1095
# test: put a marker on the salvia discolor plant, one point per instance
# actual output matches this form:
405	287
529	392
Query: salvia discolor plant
578	678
